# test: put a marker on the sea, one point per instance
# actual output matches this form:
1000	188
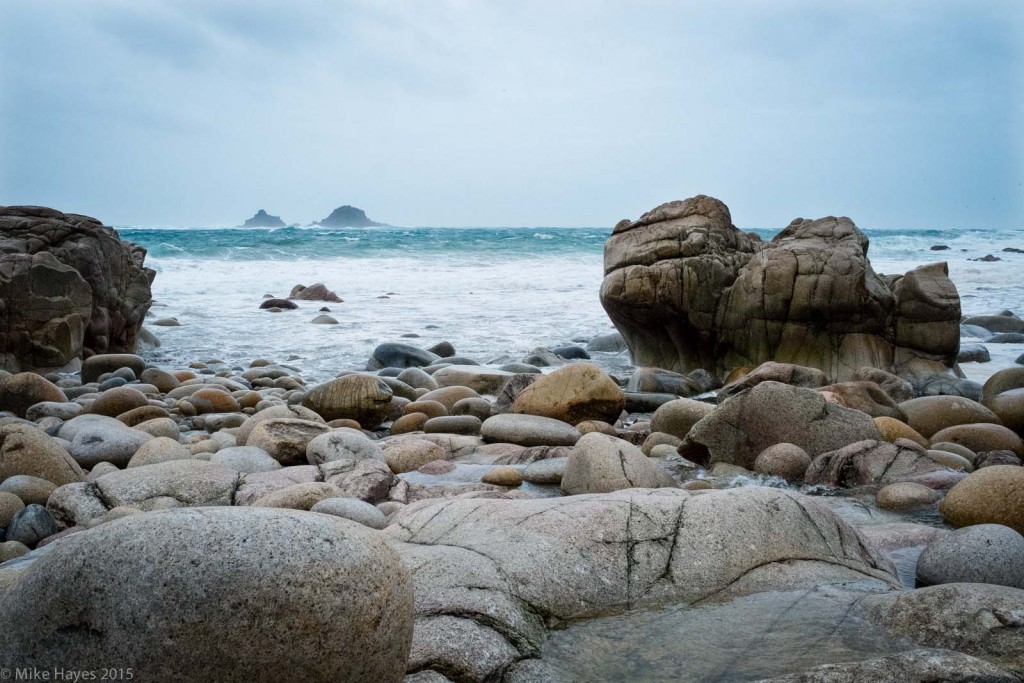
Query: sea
494	293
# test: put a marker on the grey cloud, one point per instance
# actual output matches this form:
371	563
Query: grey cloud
495	113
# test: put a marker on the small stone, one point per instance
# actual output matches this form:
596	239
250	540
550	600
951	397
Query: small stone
991	495
114	402
31	525
503	476
893	429
663	450
453	424
279	304
479	408
210	400
245	459
676	418
353	509
10	550
31	490
286	439
784	460
429	408
982	437
26	450
954	448
547	471
658	439
411	454
905	495
325	320
573	394
113	514
300	496
10	505
603	463
435	467
412	422
95	366
100	469
21	391
160	449
528	430
951	460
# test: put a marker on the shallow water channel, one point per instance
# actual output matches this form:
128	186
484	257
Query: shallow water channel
745	639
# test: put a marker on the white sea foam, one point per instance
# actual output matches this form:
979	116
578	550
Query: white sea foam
492	293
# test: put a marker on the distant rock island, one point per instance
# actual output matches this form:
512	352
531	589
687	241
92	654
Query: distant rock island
349	217
262	219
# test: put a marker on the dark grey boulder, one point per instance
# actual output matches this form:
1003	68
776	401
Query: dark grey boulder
395	355
284	304
31	525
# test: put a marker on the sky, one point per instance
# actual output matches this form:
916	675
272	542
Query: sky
527	113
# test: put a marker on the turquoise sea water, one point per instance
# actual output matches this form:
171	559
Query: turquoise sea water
496	293
295	243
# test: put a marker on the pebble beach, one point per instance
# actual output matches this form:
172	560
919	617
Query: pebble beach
466	479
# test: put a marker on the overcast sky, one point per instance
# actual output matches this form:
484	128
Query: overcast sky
507	113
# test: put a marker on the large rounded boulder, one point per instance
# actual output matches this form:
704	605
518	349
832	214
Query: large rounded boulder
25	450
930	414
771	413
573	394
602	464
687	290
363	398
224	594
991	495
24	390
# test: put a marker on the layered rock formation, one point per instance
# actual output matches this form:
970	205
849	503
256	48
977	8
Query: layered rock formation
69	288
689	290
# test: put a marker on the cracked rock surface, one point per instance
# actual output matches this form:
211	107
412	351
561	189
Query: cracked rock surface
490	575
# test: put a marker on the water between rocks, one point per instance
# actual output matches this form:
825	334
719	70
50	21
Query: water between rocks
745	639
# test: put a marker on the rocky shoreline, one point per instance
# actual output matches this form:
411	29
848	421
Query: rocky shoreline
432	518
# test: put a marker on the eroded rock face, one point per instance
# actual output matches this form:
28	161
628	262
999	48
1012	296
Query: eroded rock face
488	573
689	290
70	288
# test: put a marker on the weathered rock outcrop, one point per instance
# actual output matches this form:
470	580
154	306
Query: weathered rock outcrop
69	288
689	290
